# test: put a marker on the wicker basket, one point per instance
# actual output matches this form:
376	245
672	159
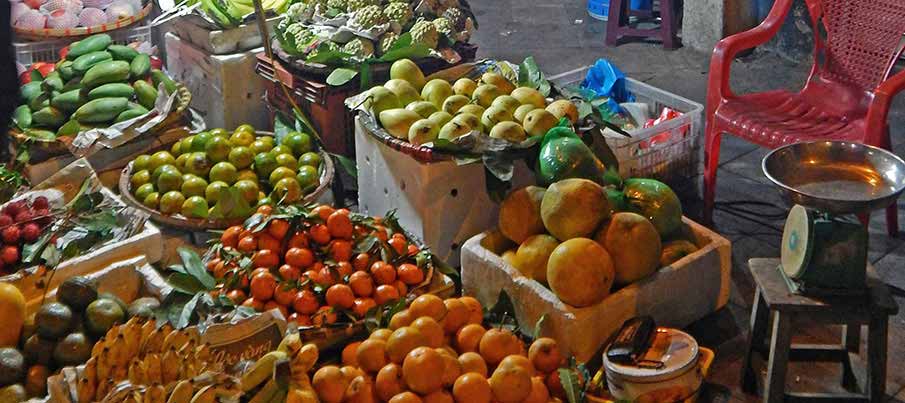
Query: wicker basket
195	224
45	149
78	32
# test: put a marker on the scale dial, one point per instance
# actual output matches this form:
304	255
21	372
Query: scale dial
797	241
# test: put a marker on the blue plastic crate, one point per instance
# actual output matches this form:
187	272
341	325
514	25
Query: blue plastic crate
599	9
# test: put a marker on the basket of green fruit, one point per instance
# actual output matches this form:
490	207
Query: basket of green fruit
96	85
216	179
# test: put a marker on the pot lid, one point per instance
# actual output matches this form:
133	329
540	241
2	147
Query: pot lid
677	350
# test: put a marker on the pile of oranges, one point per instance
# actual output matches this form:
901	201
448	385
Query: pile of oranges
304	263
438	351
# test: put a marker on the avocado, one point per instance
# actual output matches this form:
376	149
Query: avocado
13	393
77	292
53	320
74	349
114	298
38	350
144	307
12	366
102	314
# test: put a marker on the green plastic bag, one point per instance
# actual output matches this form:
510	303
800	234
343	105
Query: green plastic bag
564	155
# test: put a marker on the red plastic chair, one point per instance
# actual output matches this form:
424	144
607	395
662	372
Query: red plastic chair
846	97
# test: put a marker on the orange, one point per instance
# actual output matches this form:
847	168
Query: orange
247	244
257	305
325	315
305	302
262	286
539	392
413	249
289	272
388	382
344	269
300	257
221	269
421	370
399	245
472	388
266	258
519	361
361	262
265	241
383	272
360	390
330	384
236	296
278	229
371	355
430	329
212	264
476	311
400	319
380	232
284	294
362	306
400	236
341	250
469	337
472	362
298	240
340	296
301	320
382	334
451	368
259	270
361	283
440	396
274	305
320	234
324	277
386	293
340	225
554	385
428	305
403	289
343	211
545	355
230	237
410	274
265	210
456	315
510	384
349	353
323	211
406	397
497	344
402	341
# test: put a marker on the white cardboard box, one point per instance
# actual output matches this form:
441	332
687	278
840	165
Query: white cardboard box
441	203
220	41
225	89
675	296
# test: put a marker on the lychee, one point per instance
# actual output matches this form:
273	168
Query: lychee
24	216
5	220
13	208
31	232
9	254
45	216
11	234
40	203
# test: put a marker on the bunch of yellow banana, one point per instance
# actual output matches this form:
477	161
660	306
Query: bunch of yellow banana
145	354
300	360
240	8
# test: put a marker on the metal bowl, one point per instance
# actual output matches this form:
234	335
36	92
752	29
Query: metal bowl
835	176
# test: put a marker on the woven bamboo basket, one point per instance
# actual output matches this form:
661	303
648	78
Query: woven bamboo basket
78	32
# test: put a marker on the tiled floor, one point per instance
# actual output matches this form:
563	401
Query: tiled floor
561	36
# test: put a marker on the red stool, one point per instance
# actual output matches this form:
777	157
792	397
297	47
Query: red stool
618	25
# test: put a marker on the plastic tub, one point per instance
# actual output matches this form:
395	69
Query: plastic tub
28	52
600	9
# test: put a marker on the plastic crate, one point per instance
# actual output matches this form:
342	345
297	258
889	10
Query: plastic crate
670	151
28	52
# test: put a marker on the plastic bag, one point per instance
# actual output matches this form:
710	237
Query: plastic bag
564	155
606	80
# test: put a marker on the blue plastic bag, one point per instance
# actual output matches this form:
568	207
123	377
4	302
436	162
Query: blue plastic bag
604	79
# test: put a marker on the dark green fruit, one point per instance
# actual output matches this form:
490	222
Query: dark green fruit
77	292
144	307
12	366
53	320
74	349
102	314
38	350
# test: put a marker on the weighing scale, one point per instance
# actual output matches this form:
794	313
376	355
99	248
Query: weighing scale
824	246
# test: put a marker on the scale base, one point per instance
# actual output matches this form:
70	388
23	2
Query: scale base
800	288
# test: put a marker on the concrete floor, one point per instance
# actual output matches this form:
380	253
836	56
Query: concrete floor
561	36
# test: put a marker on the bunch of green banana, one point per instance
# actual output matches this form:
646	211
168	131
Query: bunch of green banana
229	13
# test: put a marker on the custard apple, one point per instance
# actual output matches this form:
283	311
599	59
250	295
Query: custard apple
293	29
387	41
341	5
303	39
399	1
326	46
355	5
399	12
425	32
360	47
457	17
369	17
444	26
300	12
283	24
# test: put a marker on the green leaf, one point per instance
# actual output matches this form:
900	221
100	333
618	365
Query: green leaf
571	385
51	256
185	314
185	283
530	75
231	206
32	251
538	327
195	268
280	127
347	164
35	75
340	76
584	109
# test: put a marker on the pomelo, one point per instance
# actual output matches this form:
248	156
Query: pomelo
634	245
520	213
580	272
656	202
532	256
573	208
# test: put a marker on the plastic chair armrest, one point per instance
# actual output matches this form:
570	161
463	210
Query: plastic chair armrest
879	106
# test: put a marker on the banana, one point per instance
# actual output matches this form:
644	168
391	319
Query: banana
103	365
152	368
137	372
182	392
103	388
85	391
99	346
267	392
205	395
169	368
89	371
279	396
302	362
134	397
155	394
176	339
111	334
261	370
119	372
291	344
132	334
155	340
146	329
118	354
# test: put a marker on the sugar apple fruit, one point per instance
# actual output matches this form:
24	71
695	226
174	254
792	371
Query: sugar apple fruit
300	12
444	26
360	47
326	46
369	17
400	13
341	5
457	17
387	41
355	5
425	32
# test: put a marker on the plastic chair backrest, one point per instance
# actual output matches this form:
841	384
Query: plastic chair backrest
857	41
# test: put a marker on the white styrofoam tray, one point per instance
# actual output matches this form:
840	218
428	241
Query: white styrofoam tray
675	296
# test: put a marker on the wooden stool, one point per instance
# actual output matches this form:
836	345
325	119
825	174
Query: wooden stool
866	383
617	25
